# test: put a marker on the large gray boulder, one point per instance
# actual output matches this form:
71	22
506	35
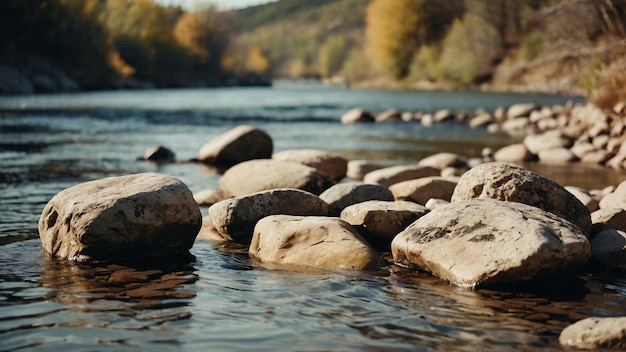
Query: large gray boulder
487	241
265	174
239	144
332	165
116	218
509	182
343	195
595	333
380	221
235	218
320	242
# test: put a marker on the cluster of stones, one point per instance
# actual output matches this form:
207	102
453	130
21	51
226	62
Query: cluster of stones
491	223
556	134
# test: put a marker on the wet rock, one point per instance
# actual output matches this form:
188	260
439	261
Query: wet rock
320	242
357	169
513	153
615	199
442	115
343	195
379	221
547	140
262	175
357	116
608	248
116	218
332	165
235	218
423	189
239	144
556	156
209	233
435	203
209	197
394	174
389	115
487	241
608	218
442	160
159	153
481	120
595	333
512	183
520	110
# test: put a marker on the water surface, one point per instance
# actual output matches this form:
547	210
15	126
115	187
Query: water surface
219	299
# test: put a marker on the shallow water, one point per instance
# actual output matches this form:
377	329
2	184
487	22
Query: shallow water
219	299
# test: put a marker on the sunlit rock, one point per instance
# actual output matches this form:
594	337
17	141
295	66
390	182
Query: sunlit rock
380	221
239	144
332	165
615	199
357	169
117	218
516	152
394	174
509	182
343	195
235	218
442	160
520	110
266	174
357	116
208	197
487	241
595	333
422	189
320	242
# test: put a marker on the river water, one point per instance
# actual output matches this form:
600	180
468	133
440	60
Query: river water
218	299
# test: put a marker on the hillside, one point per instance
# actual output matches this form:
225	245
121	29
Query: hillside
564	46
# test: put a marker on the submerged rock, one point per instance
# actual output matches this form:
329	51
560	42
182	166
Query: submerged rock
235	218
487	241
117	218
239	144
512	183
320	242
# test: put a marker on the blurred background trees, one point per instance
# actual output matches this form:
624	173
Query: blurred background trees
574	46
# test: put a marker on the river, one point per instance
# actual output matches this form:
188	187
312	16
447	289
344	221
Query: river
218	299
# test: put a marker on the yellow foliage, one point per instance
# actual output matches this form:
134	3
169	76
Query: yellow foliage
256	61
390	34
119	65
189	33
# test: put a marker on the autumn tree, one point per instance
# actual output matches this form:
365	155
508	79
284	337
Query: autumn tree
396	28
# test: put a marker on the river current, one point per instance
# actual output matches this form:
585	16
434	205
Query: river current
219	300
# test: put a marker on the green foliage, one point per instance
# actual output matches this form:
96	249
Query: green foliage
530	47
331	55
295	35
425	65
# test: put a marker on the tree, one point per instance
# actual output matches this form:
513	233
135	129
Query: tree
396	28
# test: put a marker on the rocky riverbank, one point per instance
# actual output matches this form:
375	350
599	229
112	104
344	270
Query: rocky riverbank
471	222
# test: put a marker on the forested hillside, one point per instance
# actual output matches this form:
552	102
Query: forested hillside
568	46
